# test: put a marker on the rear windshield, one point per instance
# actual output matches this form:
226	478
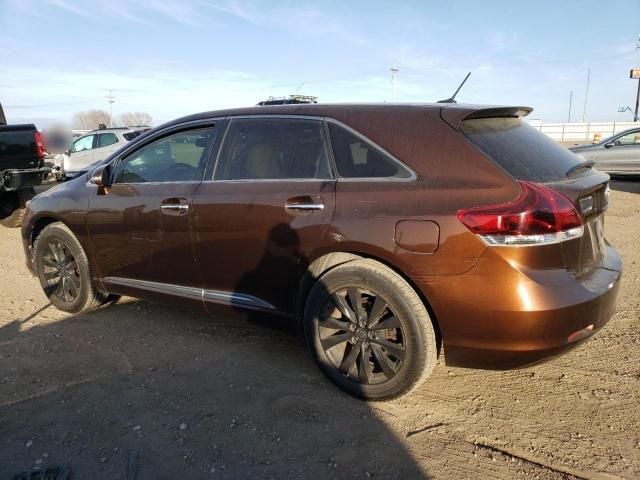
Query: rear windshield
520	149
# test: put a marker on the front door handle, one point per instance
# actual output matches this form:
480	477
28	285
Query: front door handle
174	206
304	204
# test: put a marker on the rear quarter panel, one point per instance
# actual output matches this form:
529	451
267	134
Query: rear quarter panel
451	174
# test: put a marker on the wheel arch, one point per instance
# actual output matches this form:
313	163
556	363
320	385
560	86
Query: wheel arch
40	224
326	262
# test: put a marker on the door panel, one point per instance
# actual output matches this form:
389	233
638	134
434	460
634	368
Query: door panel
106	145
81	153
132	238
623	154
139	227
250	245
268	208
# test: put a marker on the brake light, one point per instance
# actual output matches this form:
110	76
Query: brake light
538	216
39	145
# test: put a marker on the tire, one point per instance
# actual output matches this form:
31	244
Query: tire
388	350
15	206
72	290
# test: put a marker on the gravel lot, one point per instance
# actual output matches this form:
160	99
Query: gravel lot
221	397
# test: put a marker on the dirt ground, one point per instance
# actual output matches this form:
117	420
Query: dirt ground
192	396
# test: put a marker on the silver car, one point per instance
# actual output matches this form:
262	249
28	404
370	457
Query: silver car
96	146
616	155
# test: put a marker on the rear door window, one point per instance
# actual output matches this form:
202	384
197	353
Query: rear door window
106	139
273	148
520	149
357	158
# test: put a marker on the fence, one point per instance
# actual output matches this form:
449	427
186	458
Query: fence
581	132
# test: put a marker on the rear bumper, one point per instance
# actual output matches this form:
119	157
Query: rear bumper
495	316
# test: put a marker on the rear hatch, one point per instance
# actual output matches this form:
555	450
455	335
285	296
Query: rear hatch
530	156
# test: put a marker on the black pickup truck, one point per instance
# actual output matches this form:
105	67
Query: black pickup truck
21	168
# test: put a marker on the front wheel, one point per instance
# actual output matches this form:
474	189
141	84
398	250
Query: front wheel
369	331
63	270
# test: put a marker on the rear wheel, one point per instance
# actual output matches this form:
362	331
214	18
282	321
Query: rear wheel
63	270
369	331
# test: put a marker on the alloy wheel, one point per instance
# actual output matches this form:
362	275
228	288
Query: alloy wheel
61	272
362	336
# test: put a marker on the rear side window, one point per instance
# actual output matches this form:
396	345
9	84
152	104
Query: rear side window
273	148
106	139
131	135
520	149
357	158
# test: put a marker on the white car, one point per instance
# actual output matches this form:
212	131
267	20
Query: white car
96	146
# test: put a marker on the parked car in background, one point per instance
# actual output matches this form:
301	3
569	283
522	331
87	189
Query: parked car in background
616	155
21	168
95	146
386	231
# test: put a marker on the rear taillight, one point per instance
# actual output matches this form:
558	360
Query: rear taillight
39	145
538	216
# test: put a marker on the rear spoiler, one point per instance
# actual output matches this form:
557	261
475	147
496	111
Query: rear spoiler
454	115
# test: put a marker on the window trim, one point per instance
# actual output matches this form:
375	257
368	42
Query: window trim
332	173
412	178
161	134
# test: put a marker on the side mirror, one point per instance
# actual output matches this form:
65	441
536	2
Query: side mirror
100	176
608	145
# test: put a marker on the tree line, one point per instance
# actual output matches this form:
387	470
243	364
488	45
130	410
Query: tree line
91	119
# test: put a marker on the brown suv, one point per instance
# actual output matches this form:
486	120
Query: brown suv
386	230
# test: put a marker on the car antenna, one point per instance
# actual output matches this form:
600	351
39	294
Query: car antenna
452	99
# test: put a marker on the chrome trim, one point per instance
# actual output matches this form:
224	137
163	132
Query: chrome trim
236	300
175	207
128	147
304	206
232	299
273	180
193	293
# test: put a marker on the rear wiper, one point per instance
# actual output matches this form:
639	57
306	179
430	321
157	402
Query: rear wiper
580	166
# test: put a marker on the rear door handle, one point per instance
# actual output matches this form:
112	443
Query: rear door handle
174	206
304	204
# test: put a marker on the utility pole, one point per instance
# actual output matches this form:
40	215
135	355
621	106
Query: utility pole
586	94
636	118
570	102
111	100
394	72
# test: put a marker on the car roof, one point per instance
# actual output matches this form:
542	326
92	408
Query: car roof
452	113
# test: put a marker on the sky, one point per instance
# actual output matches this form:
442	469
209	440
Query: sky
176	57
